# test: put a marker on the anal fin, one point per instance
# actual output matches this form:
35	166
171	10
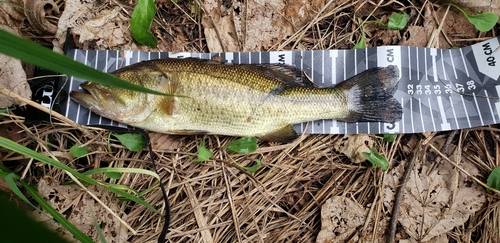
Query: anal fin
284	134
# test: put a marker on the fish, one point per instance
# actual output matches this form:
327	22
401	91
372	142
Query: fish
258	100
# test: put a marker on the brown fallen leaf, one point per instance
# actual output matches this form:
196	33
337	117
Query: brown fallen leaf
254	25
435	201
353	146
80	208
12	77
340	217
164	142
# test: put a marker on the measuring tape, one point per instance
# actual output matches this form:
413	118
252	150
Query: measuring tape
439	89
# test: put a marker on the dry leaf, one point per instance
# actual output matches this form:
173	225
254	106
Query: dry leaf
164	142
254	25
79	208
109	27
353	146
414	36
12	77
340	217
43	15
435	201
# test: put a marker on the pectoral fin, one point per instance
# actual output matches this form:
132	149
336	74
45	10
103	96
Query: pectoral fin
169	85
284	134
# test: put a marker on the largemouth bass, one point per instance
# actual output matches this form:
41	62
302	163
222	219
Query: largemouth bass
261	100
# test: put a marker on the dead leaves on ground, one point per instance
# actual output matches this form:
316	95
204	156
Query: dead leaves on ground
438	197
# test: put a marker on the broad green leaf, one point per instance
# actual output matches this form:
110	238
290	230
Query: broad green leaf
203	153
140	23
78	150
494	178
28	51
376	159
133	141
484	21
397	21
243	145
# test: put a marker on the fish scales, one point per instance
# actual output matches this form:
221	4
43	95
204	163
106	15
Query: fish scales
238	100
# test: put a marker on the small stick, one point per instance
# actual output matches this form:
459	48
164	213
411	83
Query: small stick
60	117
401	190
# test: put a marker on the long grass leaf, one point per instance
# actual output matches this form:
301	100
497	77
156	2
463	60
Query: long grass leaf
28	51
77	233
9	144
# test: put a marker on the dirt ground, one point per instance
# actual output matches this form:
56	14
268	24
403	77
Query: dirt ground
306	191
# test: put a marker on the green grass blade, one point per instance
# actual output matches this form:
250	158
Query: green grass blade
37	55
77	233
98	229
9	144
10	179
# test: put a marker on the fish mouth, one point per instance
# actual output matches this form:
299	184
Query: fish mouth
88	98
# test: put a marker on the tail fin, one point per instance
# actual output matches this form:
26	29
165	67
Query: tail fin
370	95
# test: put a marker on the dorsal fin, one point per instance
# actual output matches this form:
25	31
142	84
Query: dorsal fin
289	75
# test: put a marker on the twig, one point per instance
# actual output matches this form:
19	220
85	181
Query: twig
102	203
401	190
58	116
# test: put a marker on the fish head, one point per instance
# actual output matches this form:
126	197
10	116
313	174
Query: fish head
114	103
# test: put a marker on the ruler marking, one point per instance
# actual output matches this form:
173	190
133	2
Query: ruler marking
418	61
444	68
445	125
465	64
478	110
432	113
489	104
425	65
465	109
454	113
409	63
411	116
497	104
355	61
453	64
323	67
433	53
421	115
402	116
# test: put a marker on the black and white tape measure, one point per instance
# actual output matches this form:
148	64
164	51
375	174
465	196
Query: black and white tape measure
439	89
